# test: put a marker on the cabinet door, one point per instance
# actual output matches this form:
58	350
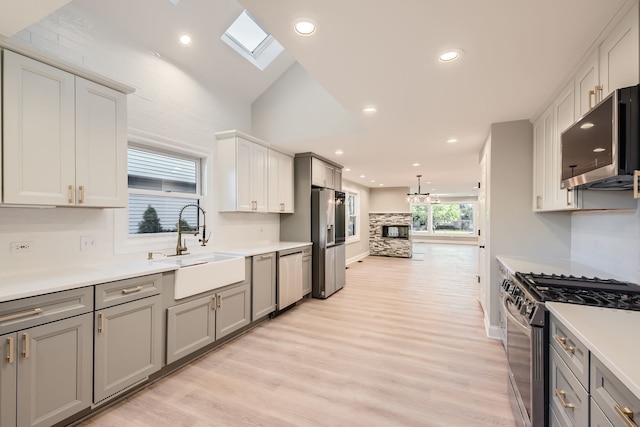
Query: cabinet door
620	56
337	179
8	379
101	145
259	177
567	398
306	275
190	326
585	83
285	183
54	371
318	172
564	114
289	280
127	345
542	128
233	310
274	182
263	283
244	176
39	133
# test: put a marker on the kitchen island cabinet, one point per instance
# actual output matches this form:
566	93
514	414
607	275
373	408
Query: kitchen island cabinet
73	130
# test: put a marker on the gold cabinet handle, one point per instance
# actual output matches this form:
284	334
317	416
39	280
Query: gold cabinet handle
219	300
131	290
281	207
81	190
264	257
626	414
561	395
21	315
100	322
71	194
636	178
569	198
563	343
598	92
213	300
11	350
592	93
538	202
25	349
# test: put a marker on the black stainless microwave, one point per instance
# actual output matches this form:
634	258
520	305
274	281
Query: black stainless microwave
602	149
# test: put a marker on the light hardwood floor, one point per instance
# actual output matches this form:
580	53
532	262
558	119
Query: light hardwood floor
402	344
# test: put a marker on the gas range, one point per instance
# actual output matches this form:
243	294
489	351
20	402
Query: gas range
592	291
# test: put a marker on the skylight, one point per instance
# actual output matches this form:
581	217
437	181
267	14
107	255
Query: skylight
251	41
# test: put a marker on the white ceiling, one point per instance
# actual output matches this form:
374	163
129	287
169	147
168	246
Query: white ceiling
517	53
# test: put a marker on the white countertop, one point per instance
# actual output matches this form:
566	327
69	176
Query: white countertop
610	334
23	285
47	281
262	248
552	266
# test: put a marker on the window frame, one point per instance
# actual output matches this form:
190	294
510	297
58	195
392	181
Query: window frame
430	229
355	193
129	243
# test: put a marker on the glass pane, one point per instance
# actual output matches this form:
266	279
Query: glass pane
159	214
161	172
420	217
453	218
247	32
352	204
352	226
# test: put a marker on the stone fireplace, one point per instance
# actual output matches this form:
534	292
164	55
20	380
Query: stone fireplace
389	234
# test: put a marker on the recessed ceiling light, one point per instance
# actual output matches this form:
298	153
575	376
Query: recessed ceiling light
304	27
339	152
450	55
587	125
362	176
599	150
451	141
381	185
370	109
347	170
429	182
185	39
373	180
416	164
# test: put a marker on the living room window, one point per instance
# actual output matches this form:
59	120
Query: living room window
353	215
443	218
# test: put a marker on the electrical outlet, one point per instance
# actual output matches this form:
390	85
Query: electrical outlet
88	243
17	247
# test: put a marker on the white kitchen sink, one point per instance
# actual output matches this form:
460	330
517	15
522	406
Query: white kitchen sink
206	272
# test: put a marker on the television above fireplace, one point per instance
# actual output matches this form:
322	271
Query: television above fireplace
395	231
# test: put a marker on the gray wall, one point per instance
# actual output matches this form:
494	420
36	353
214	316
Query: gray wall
359	248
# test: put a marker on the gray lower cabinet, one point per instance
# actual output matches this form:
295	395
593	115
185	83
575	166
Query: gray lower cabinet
568	398
263	283
598	418
306	271
128	344
619	405
45	375
233	309
190	326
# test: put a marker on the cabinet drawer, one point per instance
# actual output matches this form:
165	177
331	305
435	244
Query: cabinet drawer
573	352
598	418
613	397
113	293
33	311
568	399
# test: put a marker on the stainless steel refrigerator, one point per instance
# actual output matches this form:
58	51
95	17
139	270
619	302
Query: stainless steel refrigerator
328	237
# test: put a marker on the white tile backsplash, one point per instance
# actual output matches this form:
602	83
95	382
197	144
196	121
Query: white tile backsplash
608	241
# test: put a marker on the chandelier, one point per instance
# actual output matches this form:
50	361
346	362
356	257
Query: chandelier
420	197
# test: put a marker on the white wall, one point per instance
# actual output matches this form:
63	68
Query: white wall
608	241
388	200
358	249
169	103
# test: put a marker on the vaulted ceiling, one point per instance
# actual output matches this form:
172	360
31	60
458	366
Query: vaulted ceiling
516	55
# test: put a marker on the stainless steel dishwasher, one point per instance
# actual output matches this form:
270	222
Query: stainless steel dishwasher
289	277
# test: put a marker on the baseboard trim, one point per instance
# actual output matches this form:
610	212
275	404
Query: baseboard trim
493	332
357	258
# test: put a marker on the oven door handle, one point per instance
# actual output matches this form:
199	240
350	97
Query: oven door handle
526	329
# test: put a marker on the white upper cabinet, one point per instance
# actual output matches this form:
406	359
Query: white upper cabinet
620	54
563	115
242	174
587	82
280	182
39	133
101	145
322	174
64	138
